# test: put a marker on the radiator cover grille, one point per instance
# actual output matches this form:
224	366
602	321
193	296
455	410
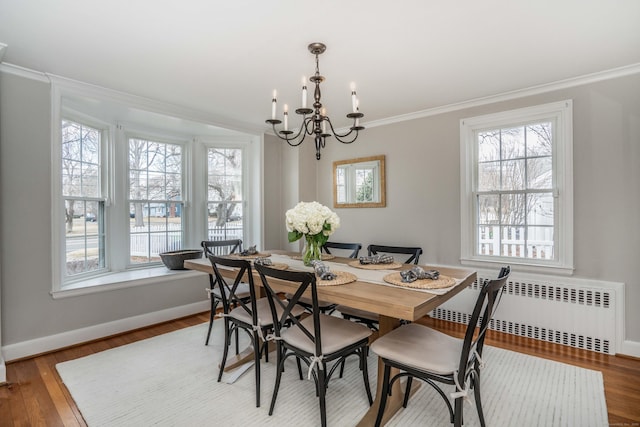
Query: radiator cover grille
577	313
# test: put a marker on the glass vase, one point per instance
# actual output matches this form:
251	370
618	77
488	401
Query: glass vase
311	250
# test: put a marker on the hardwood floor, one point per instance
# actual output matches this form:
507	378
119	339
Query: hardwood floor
35	396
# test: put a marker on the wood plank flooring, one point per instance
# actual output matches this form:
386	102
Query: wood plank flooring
35	396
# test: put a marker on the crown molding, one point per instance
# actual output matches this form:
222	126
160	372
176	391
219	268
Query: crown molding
507	96
190	114
83	89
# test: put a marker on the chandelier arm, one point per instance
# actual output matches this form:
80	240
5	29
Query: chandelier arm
340	137
291	139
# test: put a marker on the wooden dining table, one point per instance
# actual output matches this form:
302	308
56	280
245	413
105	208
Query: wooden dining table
392	304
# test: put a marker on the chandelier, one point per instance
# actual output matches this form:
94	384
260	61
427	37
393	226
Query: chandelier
314	120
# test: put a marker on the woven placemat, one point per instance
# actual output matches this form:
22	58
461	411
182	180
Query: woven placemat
441	282
324	257
390	266
252	256
278	266
342	278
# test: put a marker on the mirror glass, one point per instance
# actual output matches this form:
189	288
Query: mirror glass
359	183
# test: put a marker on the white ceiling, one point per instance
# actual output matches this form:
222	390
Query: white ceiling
225	58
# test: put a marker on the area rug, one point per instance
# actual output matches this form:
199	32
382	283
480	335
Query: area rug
171	380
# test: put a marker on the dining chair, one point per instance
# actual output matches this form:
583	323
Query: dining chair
317	340
418	351
252	316
327	307
353	247
414	252
217	248
366	317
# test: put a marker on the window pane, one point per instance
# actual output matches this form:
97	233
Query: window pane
513	175
540	209
512	143
488	208
489	176
512	241
84	239
488	145
539	173
539	139
540	242
512	209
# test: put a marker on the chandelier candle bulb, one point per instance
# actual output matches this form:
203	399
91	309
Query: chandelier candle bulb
354	98
286	117
273	106
304	92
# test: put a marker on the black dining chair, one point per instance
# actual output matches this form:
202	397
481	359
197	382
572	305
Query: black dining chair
418	351
354	248
317	340
218	248
366	317
326	306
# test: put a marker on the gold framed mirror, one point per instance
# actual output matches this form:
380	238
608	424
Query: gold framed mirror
359	183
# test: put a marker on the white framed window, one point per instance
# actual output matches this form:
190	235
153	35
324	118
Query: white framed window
225	192
156	202
517	188
83	197
141	192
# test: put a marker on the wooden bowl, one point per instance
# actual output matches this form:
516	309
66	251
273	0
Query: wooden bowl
174	260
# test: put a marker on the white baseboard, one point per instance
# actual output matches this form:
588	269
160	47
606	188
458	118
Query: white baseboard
77	336
630	348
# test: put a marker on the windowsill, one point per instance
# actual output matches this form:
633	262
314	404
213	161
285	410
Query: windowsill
521	266
122	280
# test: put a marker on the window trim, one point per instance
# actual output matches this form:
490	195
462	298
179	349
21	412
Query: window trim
562	114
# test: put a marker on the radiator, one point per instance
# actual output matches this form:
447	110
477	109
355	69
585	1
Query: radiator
580	313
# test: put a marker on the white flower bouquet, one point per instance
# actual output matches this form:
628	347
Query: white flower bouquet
313	221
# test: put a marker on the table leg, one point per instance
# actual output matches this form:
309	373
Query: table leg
244	356
394	402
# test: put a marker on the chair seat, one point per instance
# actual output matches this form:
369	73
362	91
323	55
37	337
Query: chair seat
420	347
337	334
374	317
264	313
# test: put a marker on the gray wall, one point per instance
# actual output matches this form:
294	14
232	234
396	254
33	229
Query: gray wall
423	184
28	310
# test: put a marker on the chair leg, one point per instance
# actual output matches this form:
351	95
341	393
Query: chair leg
407	392
457	412
227	343
383	394
365	373
280	364
237	341
299	368
256	357
322	389
212	314
476	393
342	366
